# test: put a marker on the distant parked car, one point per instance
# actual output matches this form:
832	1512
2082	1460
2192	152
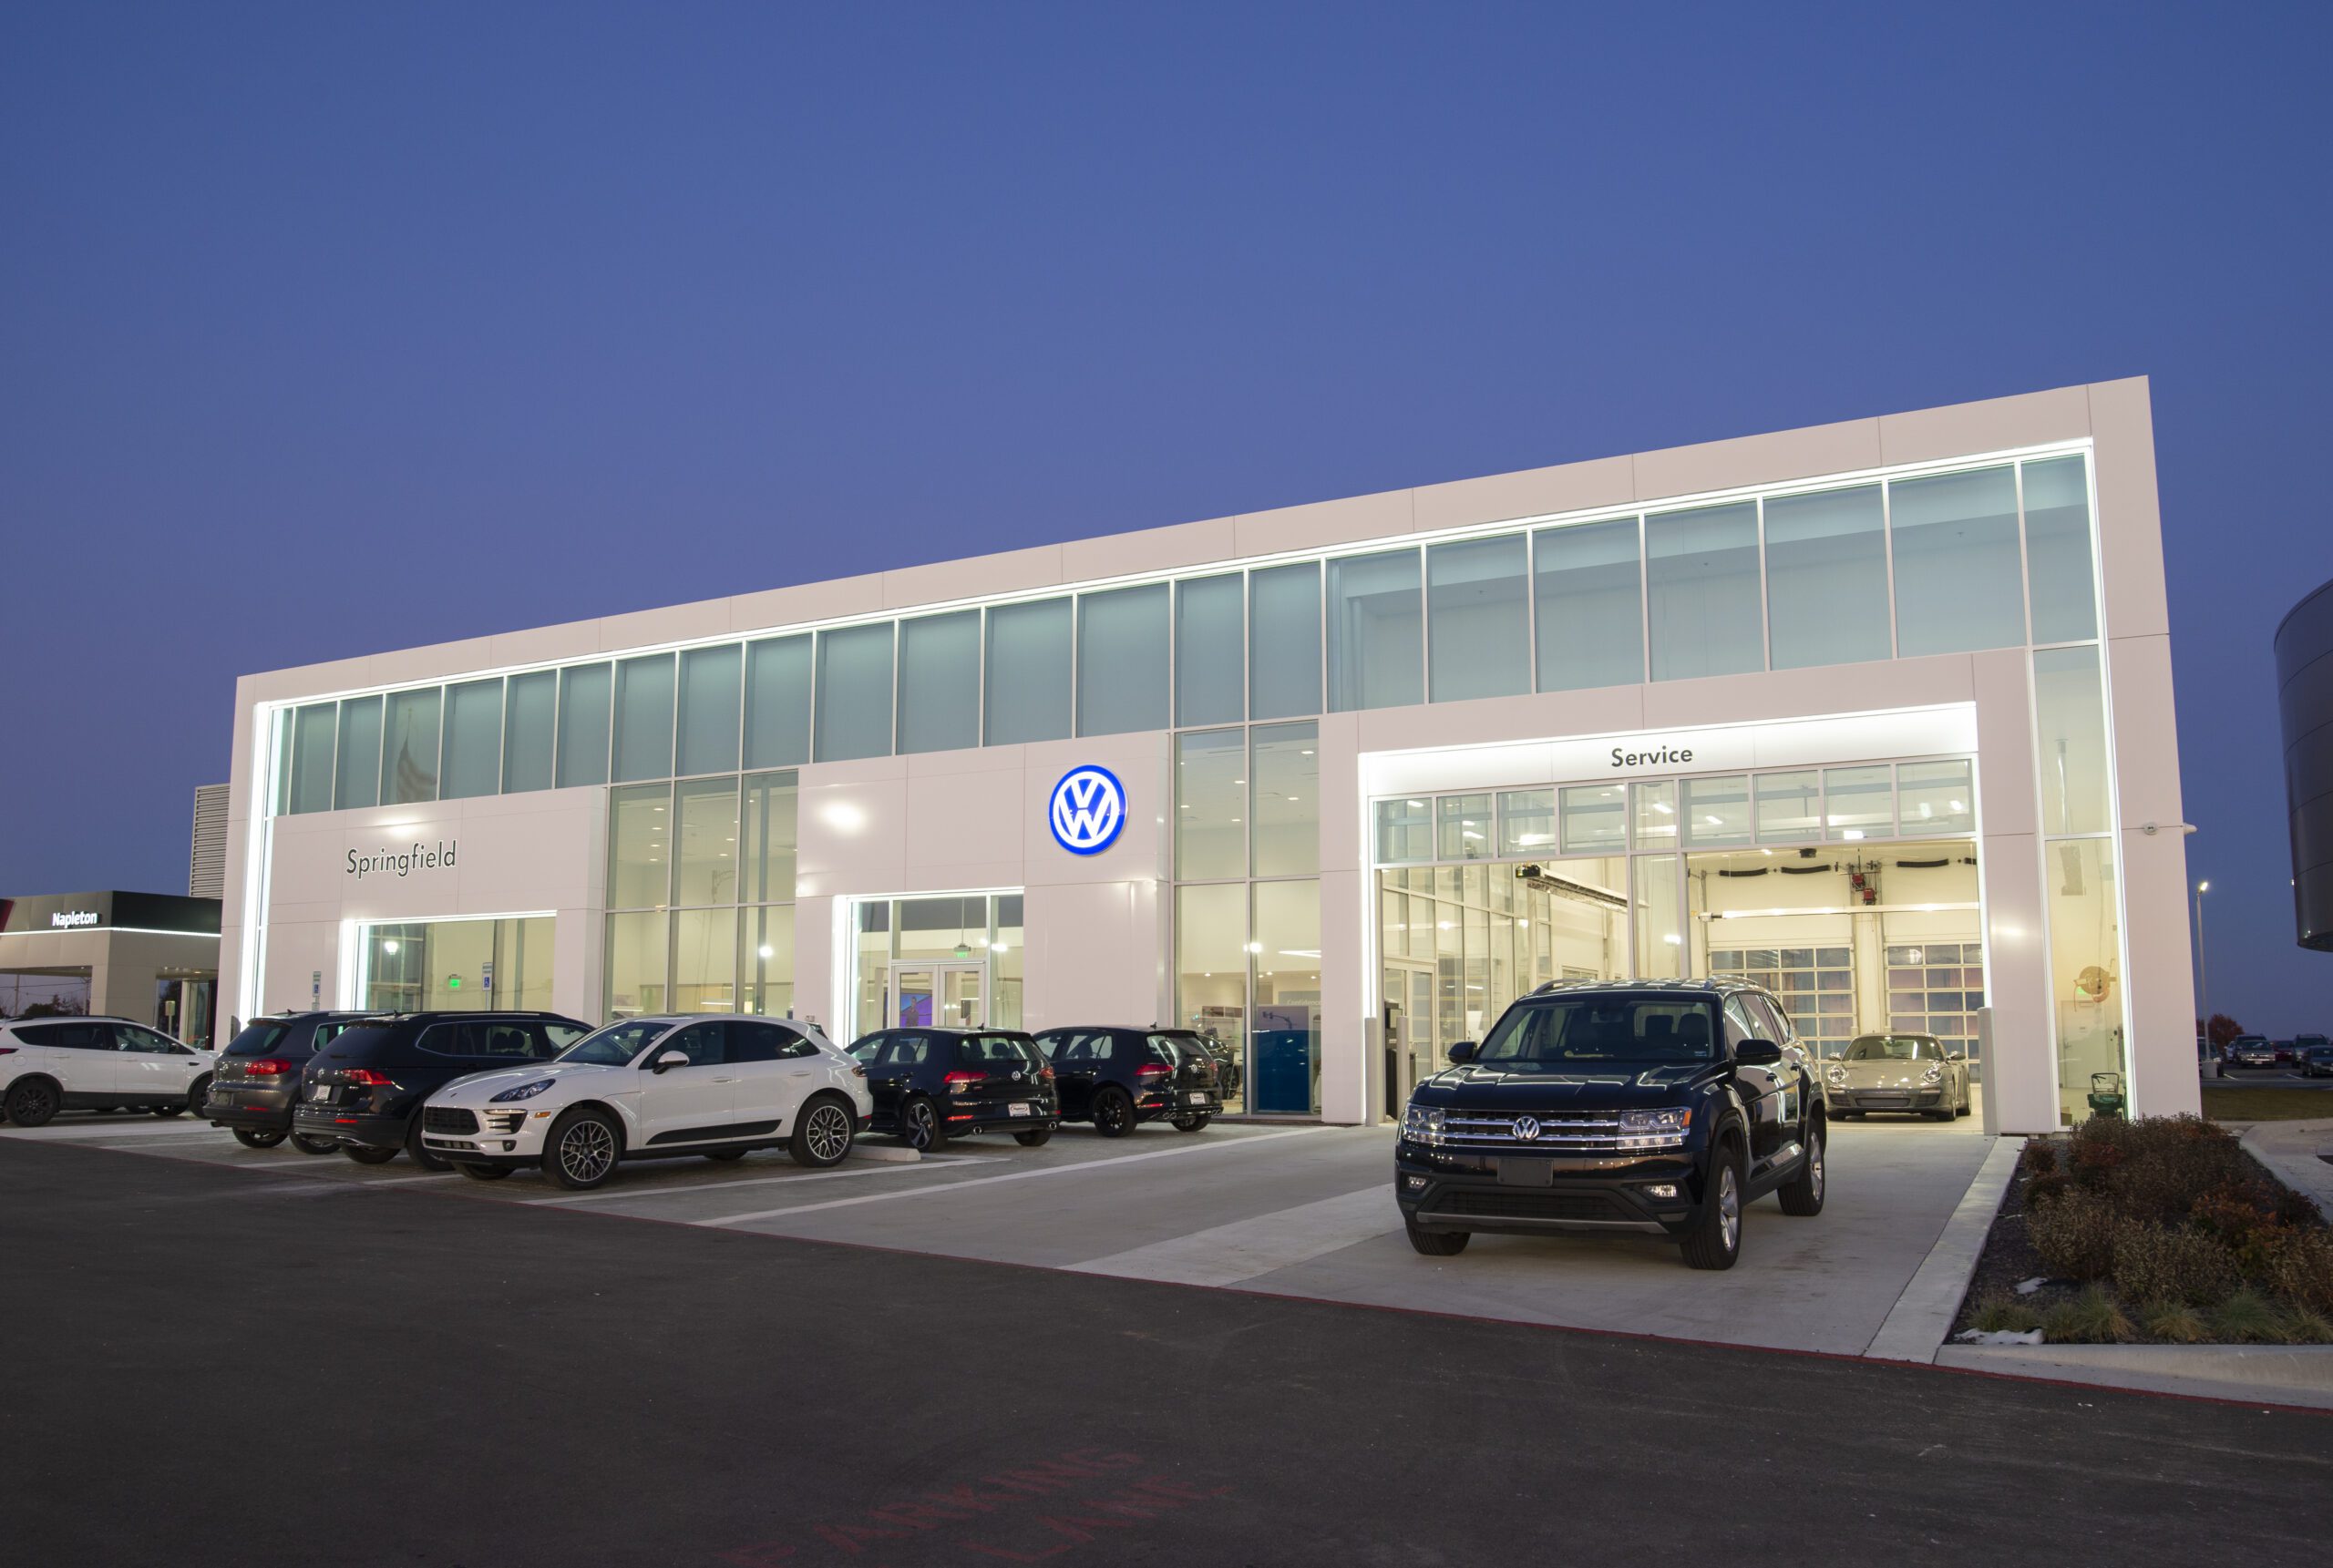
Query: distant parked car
1227	1074
48	1065
933	1084
365	1089
1116	1078
2284	1048
2315	1061
257	1085
2252	1051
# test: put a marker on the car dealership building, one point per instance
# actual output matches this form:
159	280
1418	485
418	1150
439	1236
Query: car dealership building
1876	713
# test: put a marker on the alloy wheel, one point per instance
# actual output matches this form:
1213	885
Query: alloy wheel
1729	1207
1815	1168
828	1133
586	1151
922	1123
1111	1113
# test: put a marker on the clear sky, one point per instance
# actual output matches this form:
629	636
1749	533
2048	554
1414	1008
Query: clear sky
326	329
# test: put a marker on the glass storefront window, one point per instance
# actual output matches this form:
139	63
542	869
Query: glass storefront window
1960	585
1936	797
1210	796
1478	618
1527	822
939	683
1826	577
1858	802
643	718
314	732
529	723
1285	799
635	964
1661	927
357	780
777	702
1701	592
2085	967
768	837
1376	655
1594	819
1463	824
639	847
1789	808
1394	936
766	961
712	686
456	965
1029	672
2069	712
583	697
1404	831
1286	949
1717	812
873	937
1654	808
854	705
1122	638
951	927
706	858
473	740
704	960
1589	605
1007	949
1284	641
2058	560
1211	961
410	749
1210	650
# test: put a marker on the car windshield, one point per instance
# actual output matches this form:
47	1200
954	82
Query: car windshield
1550	1036
1895	1047
615	1045
258	1037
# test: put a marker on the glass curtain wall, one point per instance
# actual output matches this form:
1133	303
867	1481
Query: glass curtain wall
456	966
956	957
700	890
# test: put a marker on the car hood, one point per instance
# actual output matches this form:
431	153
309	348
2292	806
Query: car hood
481	1087
1884	1074
1617	1088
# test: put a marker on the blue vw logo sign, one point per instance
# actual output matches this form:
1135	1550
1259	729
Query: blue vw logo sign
1087	808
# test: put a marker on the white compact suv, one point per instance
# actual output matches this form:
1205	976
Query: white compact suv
649	1087
53	1064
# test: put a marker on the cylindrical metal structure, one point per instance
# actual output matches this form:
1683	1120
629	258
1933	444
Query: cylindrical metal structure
2305	708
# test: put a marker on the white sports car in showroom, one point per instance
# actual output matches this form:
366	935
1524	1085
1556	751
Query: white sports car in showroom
1907	1072
652	1088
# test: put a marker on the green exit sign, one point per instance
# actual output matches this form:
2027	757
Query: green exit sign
453	982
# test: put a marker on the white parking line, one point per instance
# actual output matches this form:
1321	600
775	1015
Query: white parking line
123	1128
1107	1163
871	1169
1226	1255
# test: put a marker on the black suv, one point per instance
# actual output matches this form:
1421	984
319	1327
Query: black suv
1116	1078
1656	1106
930	1085
257	1082
363	1090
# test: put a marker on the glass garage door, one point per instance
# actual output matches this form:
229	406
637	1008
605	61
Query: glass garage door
1815	984
1936	988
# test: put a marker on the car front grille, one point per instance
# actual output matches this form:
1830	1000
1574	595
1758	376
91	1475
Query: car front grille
448	1118
504	1121
1587	1132
1527	1205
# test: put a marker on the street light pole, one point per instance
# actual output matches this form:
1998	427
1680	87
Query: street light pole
2203	971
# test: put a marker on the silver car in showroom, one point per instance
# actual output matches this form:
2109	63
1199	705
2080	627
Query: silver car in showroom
1912	1074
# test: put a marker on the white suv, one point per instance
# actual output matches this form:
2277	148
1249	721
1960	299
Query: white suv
649	1087
48	1065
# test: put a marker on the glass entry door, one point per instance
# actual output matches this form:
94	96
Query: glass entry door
1409	990
939	996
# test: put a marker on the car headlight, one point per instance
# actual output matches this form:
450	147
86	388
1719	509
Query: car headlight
1422	1124
1837	1075
1932	1075
524	1091
1654	1128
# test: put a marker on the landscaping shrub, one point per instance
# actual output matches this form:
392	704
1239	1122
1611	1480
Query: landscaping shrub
2161	1263
2174	1323
2003	1314
2247	1317
2162	1177
2040	1157
2249	1219
2074	1234
2302	1271
2303	1327
2091	1318
2046	1188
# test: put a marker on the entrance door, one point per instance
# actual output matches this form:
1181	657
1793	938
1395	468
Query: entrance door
1409	993
939	996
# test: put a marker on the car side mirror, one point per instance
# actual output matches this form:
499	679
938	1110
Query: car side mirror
1461	1052
671	1058
1757	1054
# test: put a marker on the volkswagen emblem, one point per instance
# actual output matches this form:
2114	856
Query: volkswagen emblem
1527	1129
1087	808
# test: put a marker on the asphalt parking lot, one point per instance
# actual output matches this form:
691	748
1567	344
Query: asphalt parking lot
214	1367
1292	1210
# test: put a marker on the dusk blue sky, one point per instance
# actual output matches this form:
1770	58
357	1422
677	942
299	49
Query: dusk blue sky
326	329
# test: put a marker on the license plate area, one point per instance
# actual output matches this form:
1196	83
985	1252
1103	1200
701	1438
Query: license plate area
1516	1171
1019	1108
320	1093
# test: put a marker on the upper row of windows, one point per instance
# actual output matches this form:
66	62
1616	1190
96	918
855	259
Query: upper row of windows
1946	563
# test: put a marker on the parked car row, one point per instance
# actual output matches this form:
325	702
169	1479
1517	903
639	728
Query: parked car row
2311	1053
48	1065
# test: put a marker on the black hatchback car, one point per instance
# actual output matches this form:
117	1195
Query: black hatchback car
1118	1078
365	1090
1663	1107
930	1085
254	1092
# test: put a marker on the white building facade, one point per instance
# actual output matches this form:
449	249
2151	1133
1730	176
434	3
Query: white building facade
1879	712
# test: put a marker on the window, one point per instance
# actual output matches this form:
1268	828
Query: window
1594	819
704	1044
66	1035
314	730
1858	802
765	960
1211	961
750	1041
643	718
2069	711
1376	653
1826	577
768	837
635	964
1717	812
1789	808
1527	822
531	716
1656	814
1463	824
473	756
640	847
939	683
704	960
583	694
705	857
1404	831
1122	639
1702	590
1285	799
1478	618
1936	797
1589	605
711	683
853	707
777	702
1660	932
1210	795
1284	641
1959	586
1029	670
1287	1048
409	752
357	780
2057	551
1210	651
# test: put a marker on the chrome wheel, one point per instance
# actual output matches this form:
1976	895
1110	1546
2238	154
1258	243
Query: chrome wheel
827	1131
586	1151
1729	1207
1814	1167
